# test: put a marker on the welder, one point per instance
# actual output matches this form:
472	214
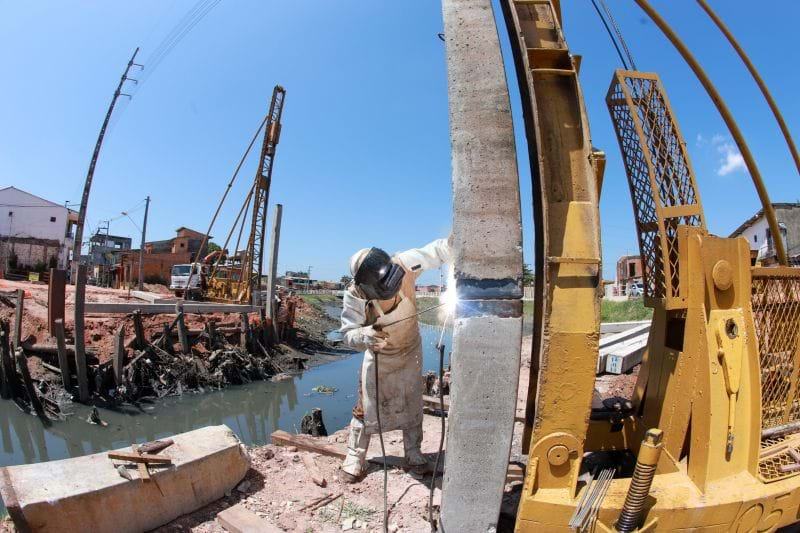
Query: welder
379	316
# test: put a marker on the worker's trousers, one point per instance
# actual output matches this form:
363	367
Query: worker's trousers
358	442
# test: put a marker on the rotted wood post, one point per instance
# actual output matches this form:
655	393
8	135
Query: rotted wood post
22	363
18	318
183	335
118	362
80	341
63	360
138	330
244	338
9	381
56	296
211	328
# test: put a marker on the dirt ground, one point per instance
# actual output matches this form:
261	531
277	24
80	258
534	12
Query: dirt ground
278	486
100	328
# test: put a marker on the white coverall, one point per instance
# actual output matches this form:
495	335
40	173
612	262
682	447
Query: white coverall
399	363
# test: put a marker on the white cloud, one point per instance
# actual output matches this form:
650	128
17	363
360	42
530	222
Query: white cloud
732	160
717	139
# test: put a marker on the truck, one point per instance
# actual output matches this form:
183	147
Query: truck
179	279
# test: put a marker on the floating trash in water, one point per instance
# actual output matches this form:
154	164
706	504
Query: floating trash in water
324	389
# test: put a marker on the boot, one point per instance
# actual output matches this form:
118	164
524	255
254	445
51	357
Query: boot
412	443
357	444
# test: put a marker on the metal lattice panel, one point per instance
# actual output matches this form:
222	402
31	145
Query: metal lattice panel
770	467
663	187
776	315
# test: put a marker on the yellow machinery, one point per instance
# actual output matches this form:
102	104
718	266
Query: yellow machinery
233	278
711	440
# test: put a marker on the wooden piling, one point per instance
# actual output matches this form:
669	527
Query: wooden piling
138	330
22	363
244	339
80	341
56	296
9	372
118	362
183	335
63	360
18	318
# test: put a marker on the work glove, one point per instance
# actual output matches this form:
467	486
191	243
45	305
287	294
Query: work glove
372	338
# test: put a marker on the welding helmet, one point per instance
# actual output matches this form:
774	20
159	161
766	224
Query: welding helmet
378	277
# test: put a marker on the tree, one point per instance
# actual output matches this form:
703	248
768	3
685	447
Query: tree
213	247
527	274
346	279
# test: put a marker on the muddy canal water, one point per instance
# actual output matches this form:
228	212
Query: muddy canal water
253	411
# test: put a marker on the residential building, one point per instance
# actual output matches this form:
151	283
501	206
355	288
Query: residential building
35	233
161	256
629	273
756	230
104	254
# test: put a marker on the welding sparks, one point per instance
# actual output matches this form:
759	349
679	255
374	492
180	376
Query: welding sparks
449	297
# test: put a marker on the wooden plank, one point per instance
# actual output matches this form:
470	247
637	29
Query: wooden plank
144	473
313	470
80	340
239	519
308	443
140	458
155	446
18	318
118	361
165	308
22	364
183	335
63	360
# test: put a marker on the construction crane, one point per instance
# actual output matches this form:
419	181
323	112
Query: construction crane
710	439
233	278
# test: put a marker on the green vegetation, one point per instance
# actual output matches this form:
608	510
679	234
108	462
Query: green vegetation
349	509
319	301
624	311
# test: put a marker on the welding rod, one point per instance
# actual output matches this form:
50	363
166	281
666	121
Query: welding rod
381	326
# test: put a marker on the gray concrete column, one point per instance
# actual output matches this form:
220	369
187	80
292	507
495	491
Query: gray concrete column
486	246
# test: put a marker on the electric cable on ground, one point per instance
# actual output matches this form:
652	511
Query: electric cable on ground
383	450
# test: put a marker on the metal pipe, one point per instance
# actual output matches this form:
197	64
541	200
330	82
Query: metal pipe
757	77
641	481
755	175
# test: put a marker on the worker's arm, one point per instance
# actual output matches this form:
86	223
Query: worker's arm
430	256
356	334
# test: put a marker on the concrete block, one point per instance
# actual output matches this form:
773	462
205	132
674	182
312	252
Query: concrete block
485	370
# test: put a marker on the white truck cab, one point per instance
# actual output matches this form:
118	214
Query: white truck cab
179	278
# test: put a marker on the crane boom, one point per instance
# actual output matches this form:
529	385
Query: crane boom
253	261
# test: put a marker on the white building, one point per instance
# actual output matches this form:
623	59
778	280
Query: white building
756	231
34	231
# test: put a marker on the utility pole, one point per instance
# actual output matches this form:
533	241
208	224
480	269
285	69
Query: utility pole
141	248
76	252
308	284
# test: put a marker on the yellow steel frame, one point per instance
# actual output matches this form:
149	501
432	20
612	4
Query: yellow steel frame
721	371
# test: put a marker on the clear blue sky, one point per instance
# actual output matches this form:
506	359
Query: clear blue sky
364	157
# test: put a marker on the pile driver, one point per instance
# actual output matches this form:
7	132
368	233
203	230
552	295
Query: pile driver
233	278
